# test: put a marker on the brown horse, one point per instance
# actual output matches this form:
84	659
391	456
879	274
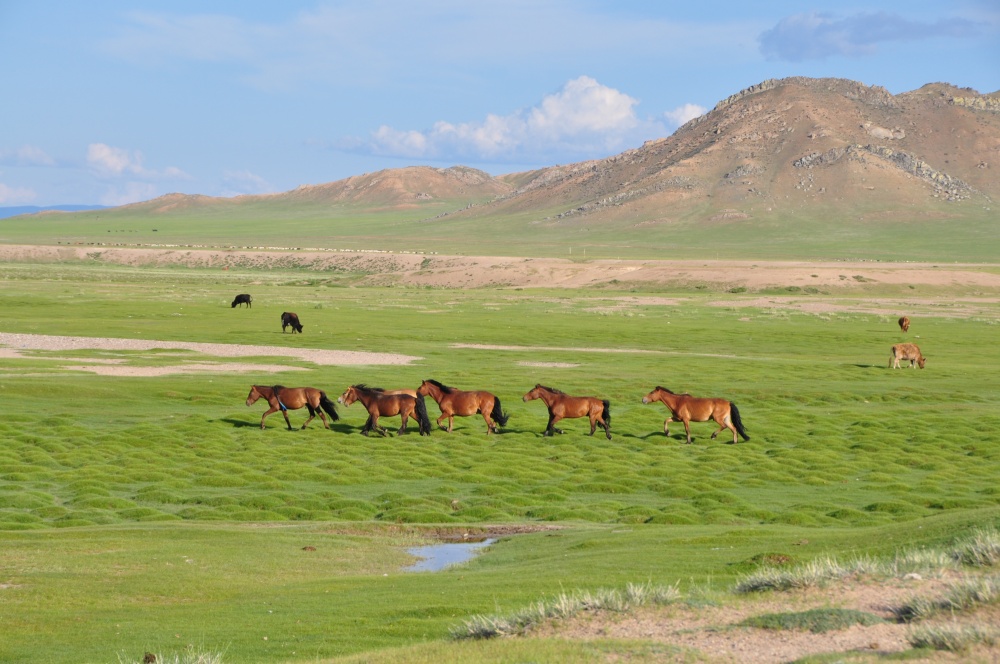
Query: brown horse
562	405
686	408
292	398
904	324
454	402
378	402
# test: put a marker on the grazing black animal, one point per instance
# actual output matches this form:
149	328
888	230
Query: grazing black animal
290	319
242	298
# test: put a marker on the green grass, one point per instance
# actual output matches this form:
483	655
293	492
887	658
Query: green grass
934	230
149	514
816	621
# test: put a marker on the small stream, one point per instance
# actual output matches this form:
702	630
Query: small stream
436	557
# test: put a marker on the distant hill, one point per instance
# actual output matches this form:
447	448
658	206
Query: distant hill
796	167
16	210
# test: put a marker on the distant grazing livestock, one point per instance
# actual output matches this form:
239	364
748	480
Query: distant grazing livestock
290	319
906	352
904	324
242	298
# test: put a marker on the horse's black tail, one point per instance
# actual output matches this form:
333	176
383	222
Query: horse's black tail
328	406
498	415
422	419
606	413
734	415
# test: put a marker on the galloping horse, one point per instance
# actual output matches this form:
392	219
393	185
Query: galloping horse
686	408
378	402
454	402
562	405
292	398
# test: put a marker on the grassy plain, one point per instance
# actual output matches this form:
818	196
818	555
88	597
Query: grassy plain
152	513
931	231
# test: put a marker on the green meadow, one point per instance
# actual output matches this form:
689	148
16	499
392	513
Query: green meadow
151	513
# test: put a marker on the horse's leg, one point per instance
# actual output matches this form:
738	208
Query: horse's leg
403	416
687	428
287	421
593	422
272	409
666	426
551	429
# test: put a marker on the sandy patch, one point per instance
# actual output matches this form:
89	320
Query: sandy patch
14	345
387	268
212	367
714	631
555	348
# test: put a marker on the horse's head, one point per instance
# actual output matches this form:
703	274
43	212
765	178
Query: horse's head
535	393
349	396
655	394
253	396
424	389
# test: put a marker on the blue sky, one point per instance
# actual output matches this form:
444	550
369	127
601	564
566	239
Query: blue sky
116	102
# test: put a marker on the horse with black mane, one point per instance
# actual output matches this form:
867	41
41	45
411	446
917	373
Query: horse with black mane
454	402
284	399
290	319
378	403
562	405
686	408
242	298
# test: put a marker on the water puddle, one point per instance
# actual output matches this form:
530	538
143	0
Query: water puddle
437	557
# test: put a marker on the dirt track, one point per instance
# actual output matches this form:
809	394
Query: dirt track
382	268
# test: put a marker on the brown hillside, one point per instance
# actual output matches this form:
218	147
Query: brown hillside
393	188
832	148
786	145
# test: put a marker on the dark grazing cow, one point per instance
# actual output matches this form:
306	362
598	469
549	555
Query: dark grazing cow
242	298
288	318
904	324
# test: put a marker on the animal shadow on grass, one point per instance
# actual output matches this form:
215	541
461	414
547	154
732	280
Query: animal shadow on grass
239	424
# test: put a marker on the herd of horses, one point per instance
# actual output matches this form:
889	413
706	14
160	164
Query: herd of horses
453	403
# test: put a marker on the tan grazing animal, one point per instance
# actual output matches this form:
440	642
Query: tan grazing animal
906	352
904	324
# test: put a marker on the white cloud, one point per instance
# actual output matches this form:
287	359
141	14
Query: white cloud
584	118
129	192
238	183
108	161
684	114
26	155
15	195
818	35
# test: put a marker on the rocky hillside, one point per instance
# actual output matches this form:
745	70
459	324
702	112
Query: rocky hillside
776	151
785	145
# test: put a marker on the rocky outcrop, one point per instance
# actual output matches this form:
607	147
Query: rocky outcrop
978	103
944	185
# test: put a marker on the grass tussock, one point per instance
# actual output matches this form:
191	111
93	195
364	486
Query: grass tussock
565	606
980	549
816	621
965	595
188	656
953	638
